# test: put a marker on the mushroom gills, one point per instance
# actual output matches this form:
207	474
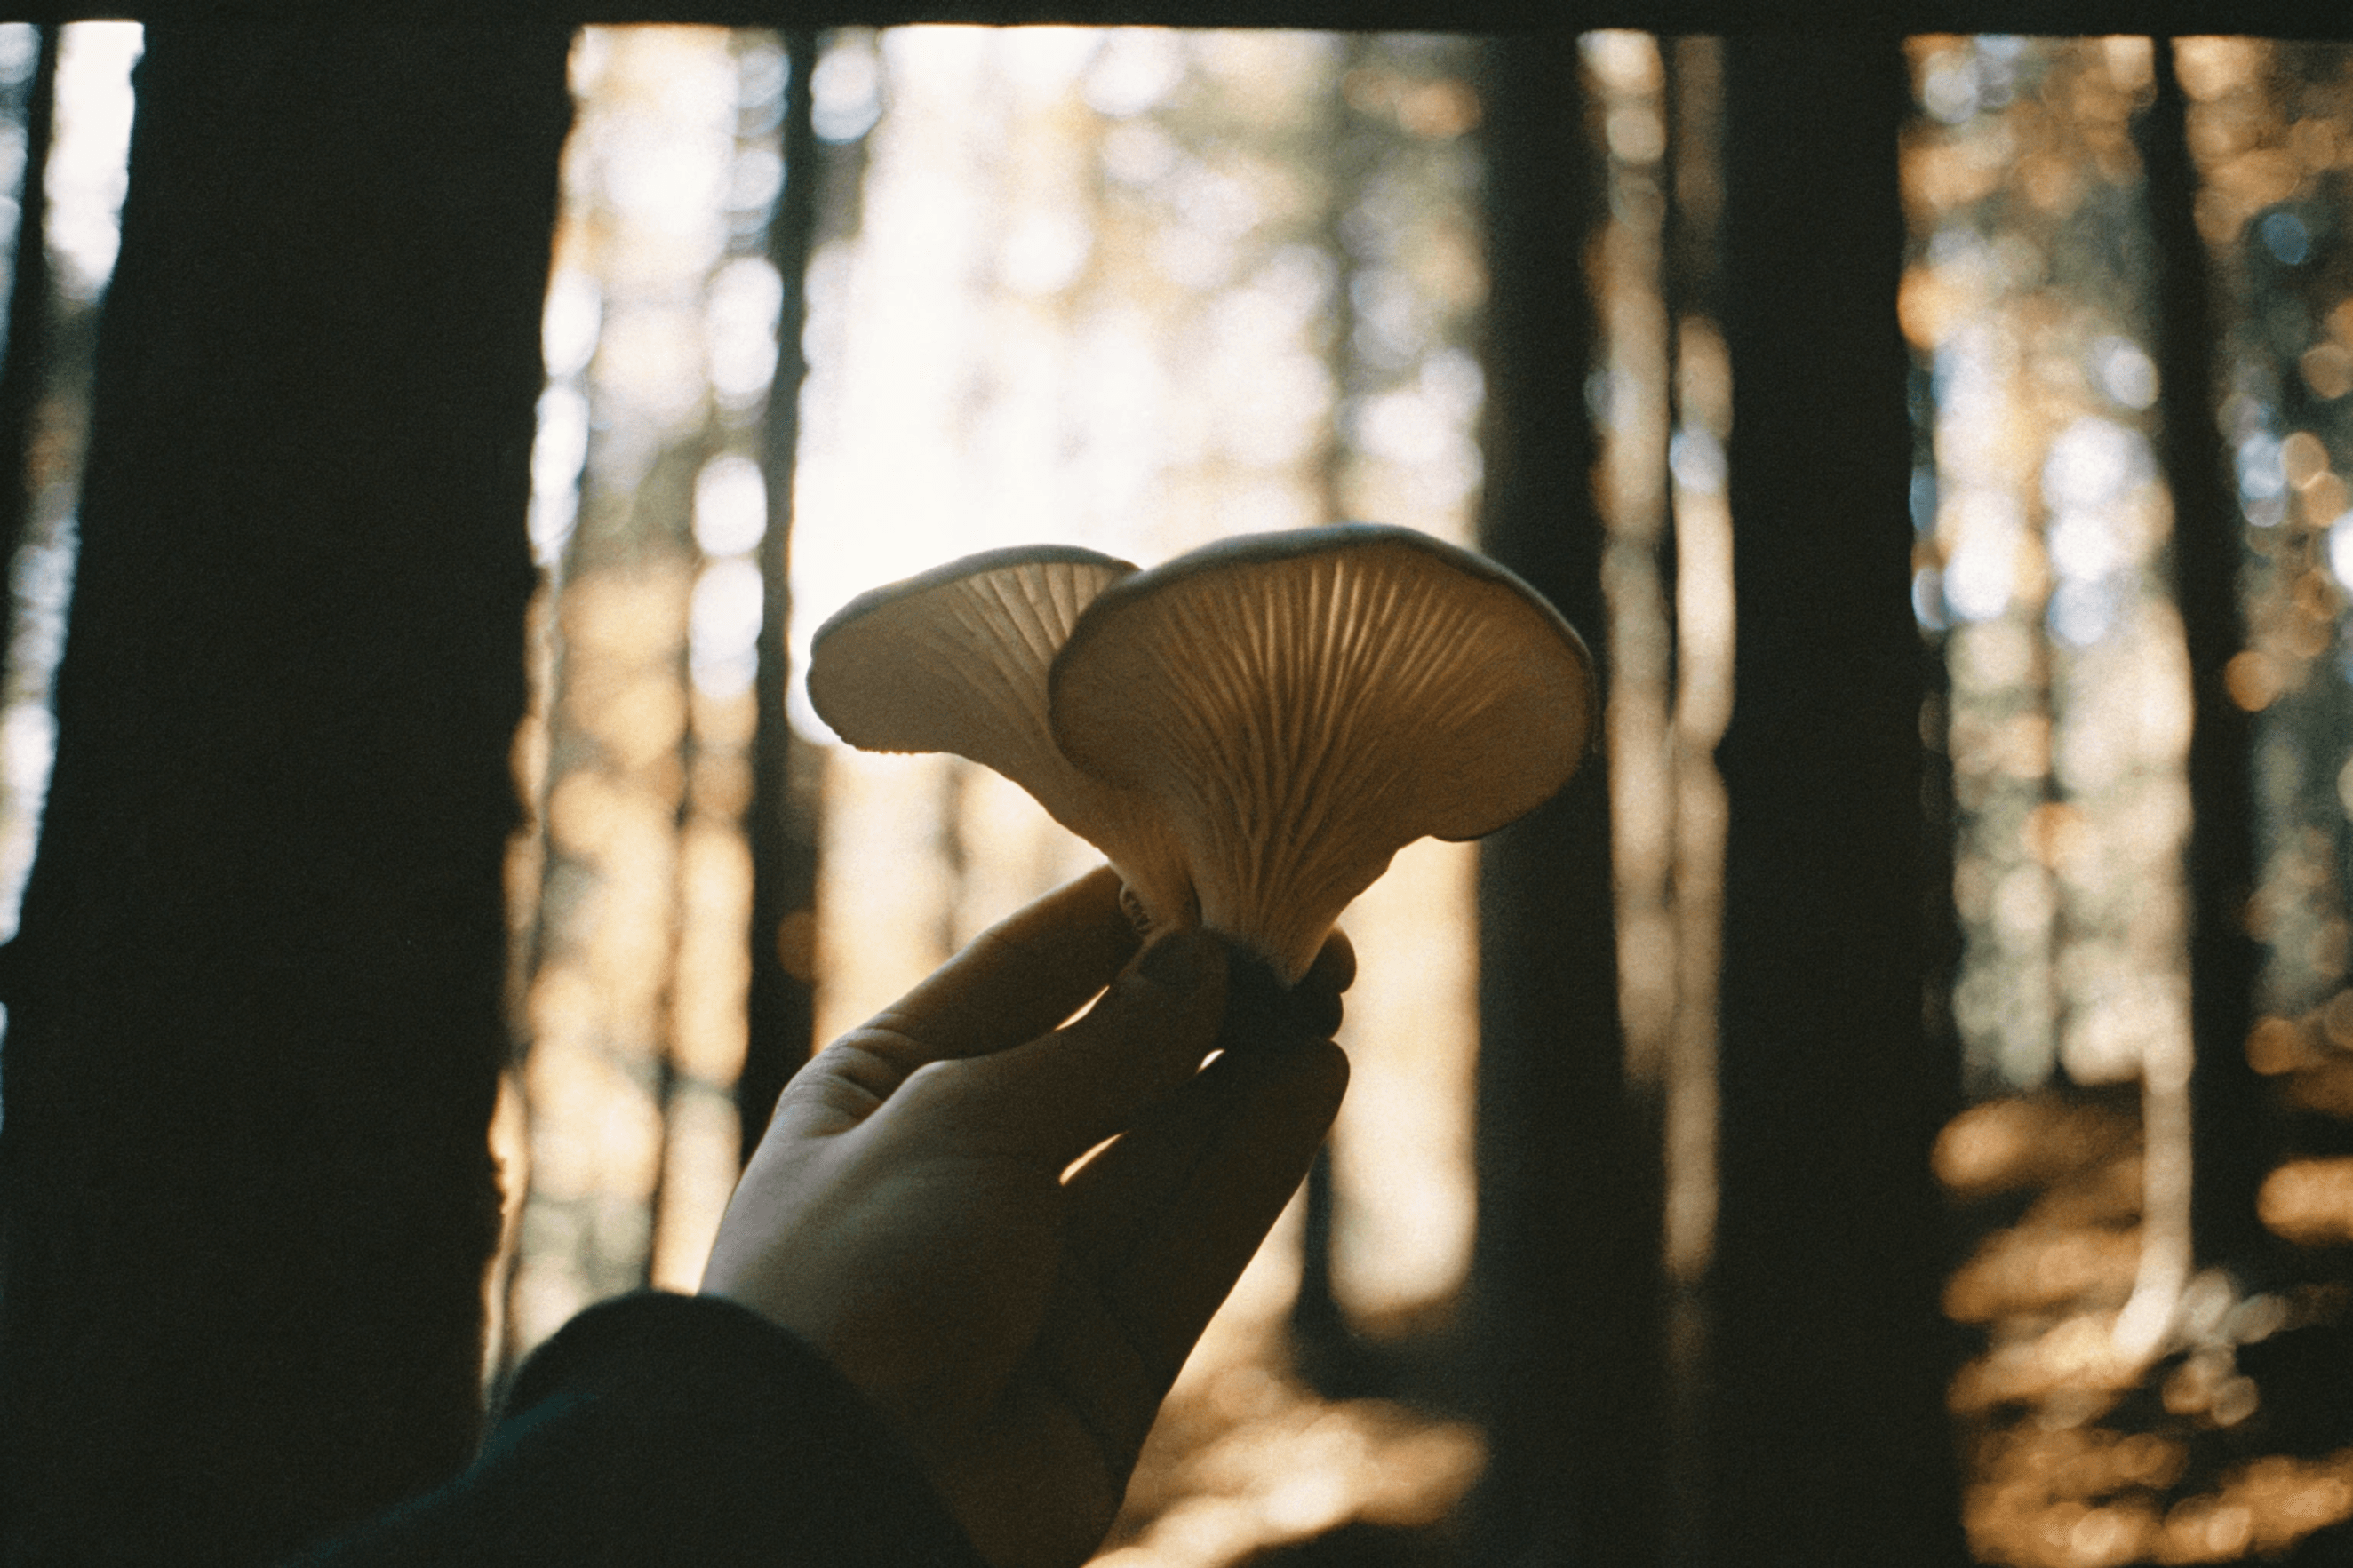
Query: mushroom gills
1248	732
954	659
1300	706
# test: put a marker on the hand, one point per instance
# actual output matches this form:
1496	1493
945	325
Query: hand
907	1211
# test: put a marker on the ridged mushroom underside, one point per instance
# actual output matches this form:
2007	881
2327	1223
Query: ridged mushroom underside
1303	707
956	659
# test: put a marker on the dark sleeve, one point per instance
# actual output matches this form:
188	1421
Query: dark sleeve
660	1429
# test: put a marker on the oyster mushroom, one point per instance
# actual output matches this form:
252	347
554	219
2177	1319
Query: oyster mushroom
1298	707
1250	732
954	659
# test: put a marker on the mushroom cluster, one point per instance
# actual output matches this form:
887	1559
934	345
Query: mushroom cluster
1250	732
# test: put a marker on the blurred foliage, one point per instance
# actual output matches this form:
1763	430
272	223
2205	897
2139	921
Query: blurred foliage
2223	1435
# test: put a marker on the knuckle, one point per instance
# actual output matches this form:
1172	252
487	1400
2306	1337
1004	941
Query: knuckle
939	1082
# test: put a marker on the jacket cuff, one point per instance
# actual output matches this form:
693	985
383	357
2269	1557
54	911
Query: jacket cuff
675	1429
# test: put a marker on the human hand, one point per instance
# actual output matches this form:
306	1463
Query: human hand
906	1212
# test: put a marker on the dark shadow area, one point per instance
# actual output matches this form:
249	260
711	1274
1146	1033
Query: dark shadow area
256	1006
1827	1412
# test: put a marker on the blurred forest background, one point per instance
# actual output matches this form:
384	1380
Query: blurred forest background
827	309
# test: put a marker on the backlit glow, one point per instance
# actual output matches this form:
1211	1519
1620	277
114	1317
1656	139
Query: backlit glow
87	172
2117	1392
1093	297
632	898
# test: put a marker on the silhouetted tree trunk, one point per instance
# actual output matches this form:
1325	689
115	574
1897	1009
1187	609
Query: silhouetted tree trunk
2227	1099
1831	1445
1564	1335
255	1014
782	1004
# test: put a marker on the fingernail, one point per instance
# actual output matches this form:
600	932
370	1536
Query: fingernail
1179	961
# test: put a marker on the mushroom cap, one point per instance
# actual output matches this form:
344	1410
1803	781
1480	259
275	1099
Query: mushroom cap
1300	706
954	659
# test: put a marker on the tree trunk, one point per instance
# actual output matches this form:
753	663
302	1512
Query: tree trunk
782	1003
1564	1325
2228	1141
1827	1418
255	1009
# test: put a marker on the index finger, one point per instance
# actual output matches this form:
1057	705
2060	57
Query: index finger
1163	1221
1017	979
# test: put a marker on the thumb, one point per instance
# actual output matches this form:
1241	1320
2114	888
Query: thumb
1065	1092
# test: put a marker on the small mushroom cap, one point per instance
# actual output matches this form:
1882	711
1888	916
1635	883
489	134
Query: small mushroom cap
1302	705
954	659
